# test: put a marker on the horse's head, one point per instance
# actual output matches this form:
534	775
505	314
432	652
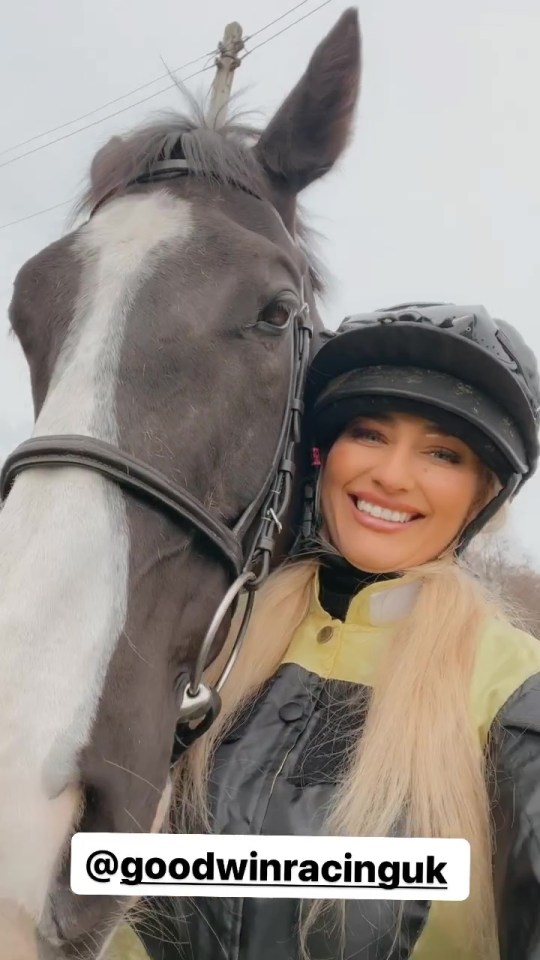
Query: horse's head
162	328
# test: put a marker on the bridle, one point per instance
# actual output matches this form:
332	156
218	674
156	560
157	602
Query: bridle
246	554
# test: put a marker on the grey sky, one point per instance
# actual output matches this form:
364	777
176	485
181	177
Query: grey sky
438	196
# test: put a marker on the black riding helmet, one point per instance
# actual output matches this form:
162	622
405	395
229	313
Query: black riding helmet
477	372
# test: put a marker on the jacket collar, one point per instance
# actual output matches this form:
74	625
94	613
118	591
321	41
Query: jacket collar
377	604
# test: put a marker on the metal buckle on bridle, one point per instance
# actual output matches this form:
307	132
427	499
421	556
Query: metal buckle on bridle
271	515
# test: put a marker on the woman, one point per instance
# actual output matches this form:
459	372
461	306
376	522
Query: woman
380	689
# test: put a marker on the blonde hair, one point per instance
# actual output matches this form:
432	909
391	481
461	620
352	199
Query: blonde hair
417	762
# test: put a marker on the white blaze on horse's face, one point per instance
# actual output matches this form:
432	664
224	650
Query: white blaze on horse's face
71	522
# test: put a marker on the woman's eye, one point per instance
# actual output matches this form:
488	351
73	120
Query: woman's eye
449	456
365	433
277	314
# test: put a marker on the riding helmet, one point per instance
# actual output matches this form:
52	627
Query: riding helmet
477	372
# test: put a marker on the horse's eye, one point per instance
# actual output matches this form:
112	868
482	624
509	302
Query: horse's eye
277	314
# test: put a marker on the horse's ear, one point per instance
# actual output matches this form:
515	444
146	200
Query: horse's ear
311	128
103	157
110	162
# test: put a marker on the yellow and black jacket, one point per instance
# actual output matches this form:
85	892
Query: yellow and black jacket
276	771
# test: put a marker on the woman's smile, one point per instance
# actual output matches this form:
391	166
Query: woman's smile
379	513
386	520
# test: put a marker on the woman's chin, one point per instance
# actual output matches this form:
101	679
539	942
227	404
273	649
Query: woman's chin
370	564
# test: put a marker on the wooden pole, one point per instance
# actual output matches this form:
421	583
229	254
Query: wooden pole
226	63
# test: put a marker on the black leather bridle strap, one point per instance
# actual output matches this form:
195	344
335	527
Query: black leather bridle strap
163	170
131	474
283	463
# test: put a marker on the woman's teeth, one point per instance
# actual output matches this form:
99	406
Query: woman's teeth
382	513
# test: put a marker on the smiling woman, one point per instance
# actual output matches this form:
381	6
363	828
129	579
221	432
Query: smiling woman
381	689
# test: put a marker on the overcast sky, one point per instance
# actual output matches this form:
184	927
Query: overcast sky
438	196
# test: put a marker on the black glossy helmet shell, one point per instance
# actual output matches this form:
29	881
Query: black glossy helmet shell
454	406
489	357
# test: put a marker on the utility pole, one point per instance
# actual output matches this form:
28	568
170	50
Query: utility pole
227	61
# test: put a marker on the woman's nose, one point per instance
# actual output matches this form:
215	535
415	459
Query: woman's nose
393	469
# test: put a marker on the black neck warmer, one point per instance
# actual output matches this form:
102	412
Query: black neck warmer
339	582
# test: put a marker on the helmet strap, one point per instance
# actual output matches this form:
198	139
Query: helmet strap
508	491
311	515
312	519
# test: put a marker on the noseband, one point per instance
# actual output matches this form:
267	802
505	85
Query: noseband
247	555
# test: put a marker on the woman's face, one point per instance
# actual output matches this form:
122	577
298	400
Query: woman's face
396	491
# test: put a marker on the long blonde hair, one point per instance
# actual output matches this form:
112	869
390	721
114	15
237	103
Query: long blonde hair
418	761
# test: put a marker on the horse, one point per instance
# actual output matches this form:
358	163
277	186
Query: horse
166	344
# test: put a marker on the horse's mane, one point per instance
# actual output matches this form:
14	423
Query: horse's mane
218	152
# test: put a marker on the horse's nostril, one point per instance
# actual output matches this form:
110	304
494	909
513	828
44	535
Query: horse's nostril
91	802
50	935
47	950
74	926
97	809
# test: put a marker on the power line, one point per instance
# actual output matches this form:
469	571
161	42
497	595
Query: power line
272	22
38	213
95	123
288	27
142	86
109	103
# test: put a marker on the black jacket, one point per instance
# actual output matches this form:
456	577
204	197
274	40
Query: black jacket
276	771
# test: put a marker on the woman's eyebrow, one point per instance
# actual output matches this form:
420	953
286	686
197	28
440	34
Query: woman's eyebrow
386	417
433	428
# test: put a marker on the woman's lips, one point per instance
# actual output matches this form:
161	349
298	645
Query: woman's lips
377	523
376	500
